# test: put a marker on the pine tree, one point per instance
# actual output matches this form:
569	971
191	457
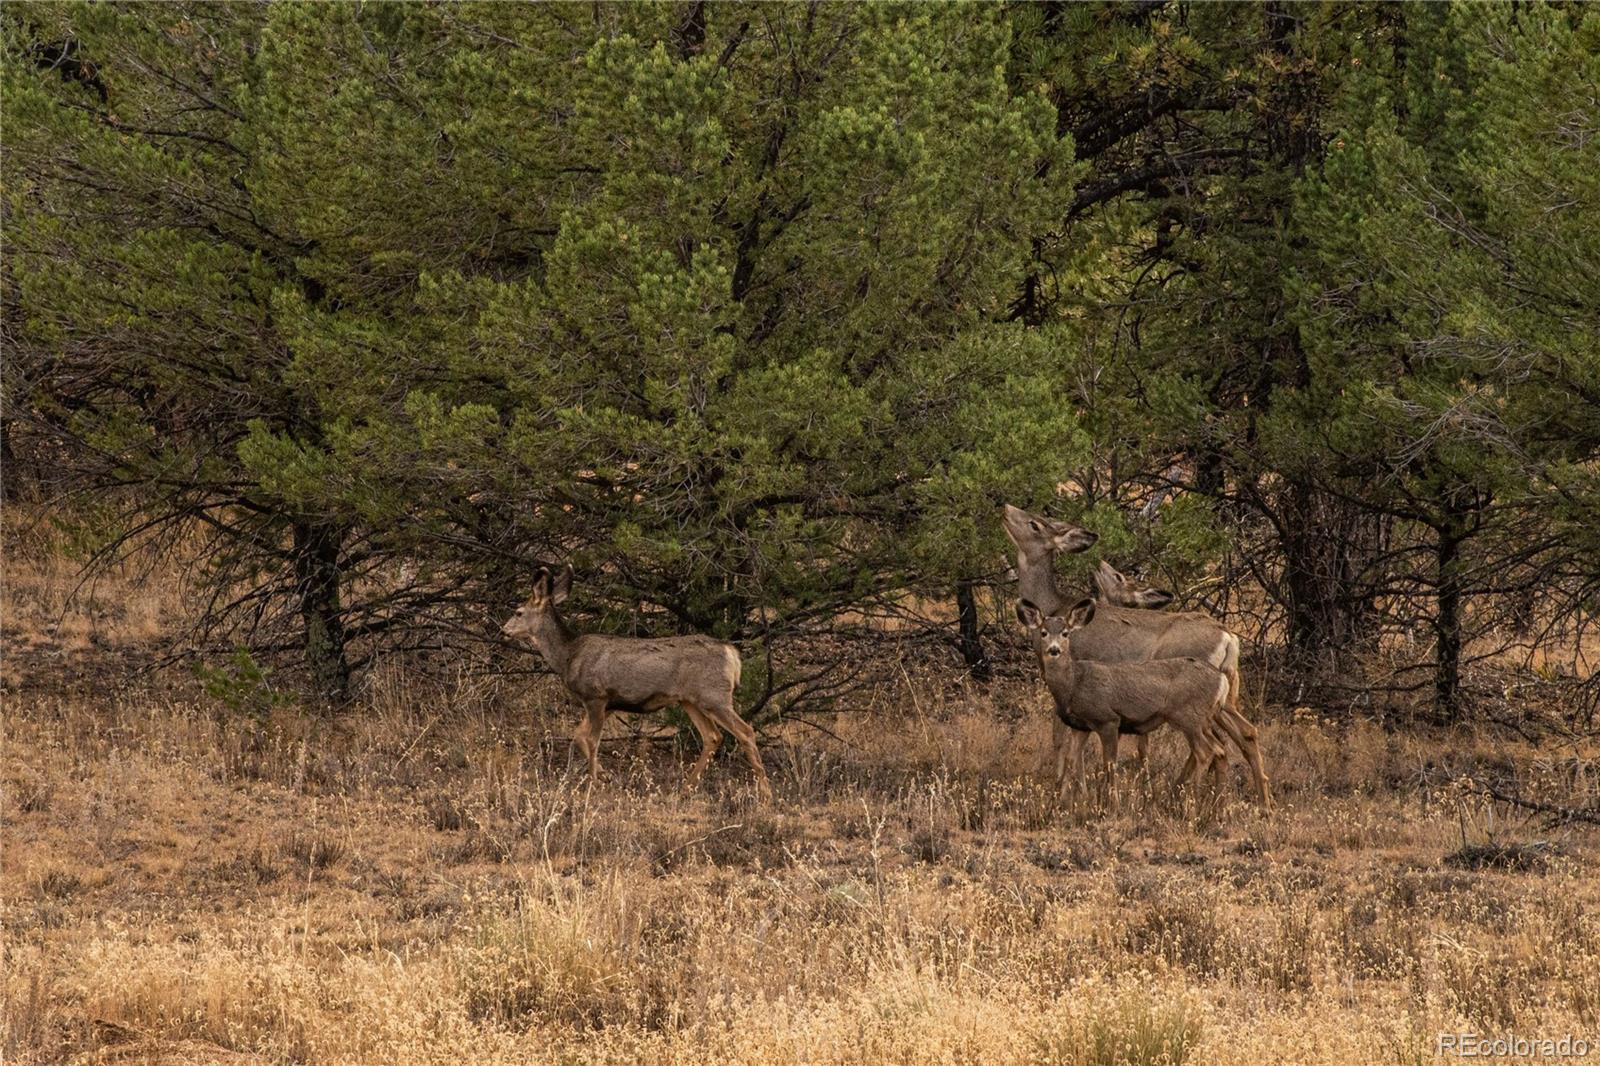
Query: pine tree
705	299
1453	262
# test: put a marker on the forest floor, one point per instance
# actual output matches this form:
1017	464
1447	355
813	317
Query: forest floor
421	880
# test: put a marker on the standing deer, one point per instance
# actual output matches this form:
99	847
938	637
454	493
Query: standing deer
1037	540
1118	633
1117	589
1109	699
637	674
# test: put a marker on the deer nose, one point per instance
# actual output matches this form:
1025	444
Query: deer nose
1053	650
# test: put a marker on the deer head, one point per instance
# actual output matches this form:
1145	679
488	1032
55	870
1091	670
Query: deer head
1050	631
1037	536
1121	590
548	592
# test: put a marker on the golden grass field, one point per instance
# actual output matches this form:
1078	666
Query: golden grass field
422	881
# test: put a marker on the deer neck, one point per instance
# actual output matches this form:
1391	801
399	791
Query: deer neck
554	641
1062	673
1036	580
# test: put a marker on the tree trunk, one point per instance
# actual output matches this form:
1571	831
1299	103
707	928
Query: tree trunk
316	566
8	464
972	652
1328	545
1447	625
1311	624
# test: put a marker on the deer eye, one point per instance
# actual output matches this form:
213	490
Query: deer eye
1034	526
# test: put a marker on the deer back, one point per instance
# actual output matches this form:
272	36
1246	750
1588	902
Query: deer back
1147	693
645	674
1127	634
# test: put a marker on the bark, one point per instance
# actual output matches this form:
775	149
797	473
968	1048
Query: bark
8	464
1325	540
1311	623
1328	544
1447	624
972	652
690	35
317	579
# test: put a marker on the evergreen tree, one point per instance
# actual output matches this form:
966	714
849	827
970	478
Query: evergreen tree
705	298
1453	375
756	313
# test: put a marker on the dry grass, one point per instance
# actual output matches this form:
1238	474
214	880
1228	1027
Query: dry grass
423	881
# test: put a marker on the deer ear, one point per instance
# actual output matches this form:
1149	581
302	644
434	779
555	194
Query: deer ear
1027	613
1081	614
540	576
1155	598
561	586
1071	539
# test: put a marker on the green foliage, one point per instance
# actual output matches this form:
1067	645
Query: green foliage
758	312
1455	253
242	685
474	283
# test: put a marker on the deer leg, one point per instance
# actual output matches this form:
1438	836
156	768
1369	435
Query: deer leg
745	734
1202	754
1071	746
587	736
1141	752
1243	734
1219	754
1214	730
1238	727
1188	770
710	739
1058	754
1108	758
1072	751
1219	764
1065	743
1219	757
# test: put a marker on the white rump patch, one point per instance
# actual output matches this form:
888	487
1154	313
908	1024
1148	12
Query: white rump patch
1219	654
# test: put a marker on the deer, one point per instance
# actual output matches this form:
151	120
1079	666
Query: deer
1110	699
1037	540
1118	589
637	675
1113	586
1119	633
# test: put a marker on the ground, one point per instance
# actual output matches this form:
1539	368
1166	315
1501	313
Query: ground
423	880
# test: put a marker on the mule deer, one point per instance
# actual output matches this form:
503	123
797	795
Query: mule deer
1037	540
1131	634
1109	699
1190	630
637	674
